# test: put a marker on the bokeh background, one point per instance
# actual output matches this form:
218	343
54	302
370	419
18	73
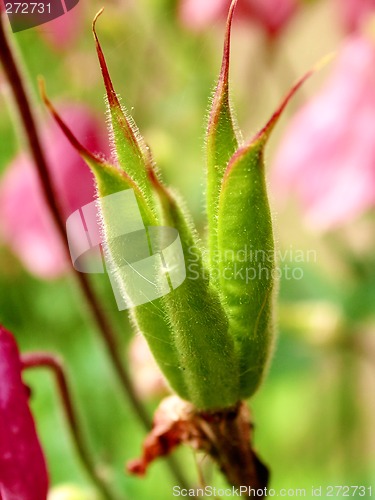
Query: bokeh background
314	414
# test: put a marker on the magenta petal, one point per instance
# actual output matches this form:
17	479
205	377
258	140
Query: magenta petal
23	472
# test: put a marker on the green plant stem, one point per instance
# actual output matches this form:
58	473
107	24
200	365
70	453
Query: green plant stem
52	363
29	123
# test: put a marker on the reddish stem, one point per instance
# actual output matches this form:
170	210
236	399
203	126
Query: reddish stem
53	363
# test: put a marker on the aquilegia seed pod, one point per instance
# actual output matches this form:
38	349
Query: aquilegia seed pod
212	335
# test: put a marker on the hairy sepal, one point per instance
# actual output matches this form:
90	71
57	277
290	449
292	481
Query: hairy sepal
199	321
151	318
221	141
246	256
130	147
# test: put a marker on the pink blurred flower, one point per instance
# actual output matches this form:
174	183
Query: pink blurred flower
270	15
62	32
25	223
355	12
327	156
23	472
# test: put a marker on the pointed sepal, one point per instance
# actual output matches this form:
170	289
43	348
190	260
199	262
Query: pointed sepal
129	145
221	139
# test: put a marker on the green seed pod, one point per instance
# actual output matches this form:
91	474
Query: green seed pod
211	337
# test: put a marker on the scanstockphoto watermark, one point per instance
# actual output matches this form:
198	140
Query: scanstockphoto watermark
337	491
240	491
250	264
